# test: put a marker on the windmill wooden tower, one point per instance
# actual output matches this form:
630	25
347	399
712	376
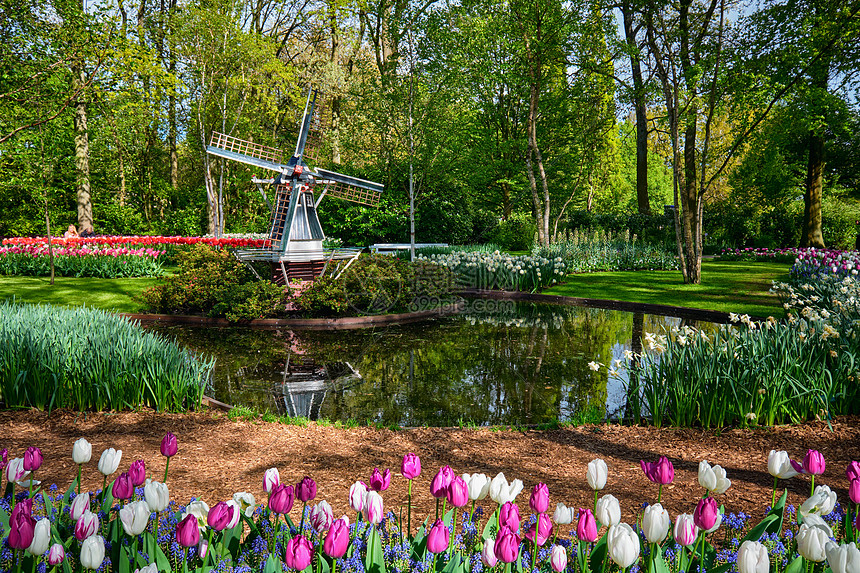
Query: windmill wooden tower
295	233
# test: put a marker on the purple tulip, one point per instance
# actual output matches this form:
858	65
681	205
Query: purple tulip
857	521
458	492
507	547
123	487
299	553
438	538
851	472
220	515
281	498
660	472
22	525
337	540
440	483
543	533
32	459
56	555
380	481
854	490
137	471
4	458
509	516
169	446
813	463
539	501
306	489
411	466
586	527
188	532
706	513
86	526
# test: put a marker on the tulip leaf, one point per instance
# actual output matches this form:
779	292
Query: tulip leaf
123	561
273	565
581	556
491	527
419	545
448	518
721	568
324	564
660	565
374	561
68	495
49	507
765	525
4	519
161	559
10	488
455	565
598	555
795	566
107	504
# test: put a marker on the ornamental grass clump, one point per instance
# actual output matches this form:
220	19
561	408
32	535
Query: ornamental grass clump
584	252
87	359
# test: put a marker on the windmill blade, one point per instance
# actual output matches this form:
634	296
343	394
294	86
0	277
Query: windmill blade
319	123
351	188
314	99
244	151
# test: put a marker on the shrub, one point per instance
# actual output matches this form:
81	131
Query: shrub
515	233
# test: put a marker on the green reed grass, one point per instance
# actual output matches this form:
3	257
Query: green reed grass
87	359
585	252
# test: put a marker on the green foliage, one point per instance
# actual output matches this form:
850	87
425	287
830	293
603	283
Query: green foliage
516	233
87	359
257	299
607	251
104	266
325	297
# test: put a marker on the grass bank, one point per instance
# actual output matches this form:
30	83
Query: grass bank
727	286
107	294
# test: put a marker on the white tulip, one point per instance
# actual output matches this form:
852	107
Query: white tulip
247	502
608	510
270	479
82	451
151	568
41	538
813	520
821	503
109	462
79	505
92	552
811	542
502	492
488	555
563	515
15	471
157	495
479	486
753	558
199	509
843	558
357	496
623	545
134	517
713	478
655	523
779	465
596	474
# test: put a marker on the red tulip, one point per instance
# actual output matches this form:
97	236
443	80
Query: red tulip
539	500
411	466
22	525
137	471
188	532
306	489
438	537
380	481
281	498
458	492
123	487
661	472
32	459
509	516
299	553
169	447
337	540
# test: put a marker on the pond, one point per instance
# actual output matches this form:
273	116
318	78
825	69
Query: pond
495	363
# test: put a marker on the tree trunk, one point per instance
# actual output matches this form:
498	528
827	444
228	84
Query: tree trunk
690	204
82	154
641	114
812	236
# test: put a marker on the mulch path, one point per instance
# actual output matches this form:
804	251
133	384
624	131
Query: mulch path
218	457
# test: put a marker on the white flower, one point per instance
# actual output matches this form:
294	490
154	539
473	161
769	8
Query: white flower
199	509
108	464
811	542
563	515
92	552
843	558
714	478
594	365
623	545
502	492
82	451
596	474
479	485
779	465
41	538
134	517
608	510
655	523
247	502
151	568
156	494
821	503
753	558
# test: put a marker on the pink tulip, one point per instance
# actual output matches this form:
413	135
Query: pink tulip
79	505
321	517
539	501
706	513
32	459
440	483
438	538
87	525
337	540
544	532
281	499
813	463
123	487
4	458
306	489
685	531
488	553
507	547
851	472
380	481
854	490
857	521
137	471
458	492
22	525
586	527
660	472
220	515
188	532
558	559
299	553
169	447
411	466
509	516
56	555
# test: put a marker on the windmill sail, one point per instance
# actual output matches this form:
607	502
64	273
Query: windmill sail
245	151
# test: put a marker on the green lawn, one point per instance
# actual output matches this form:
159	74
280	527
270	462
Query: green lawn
739	287
107	294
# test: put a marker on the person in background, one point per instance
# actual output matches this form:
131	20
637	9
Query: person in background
70	233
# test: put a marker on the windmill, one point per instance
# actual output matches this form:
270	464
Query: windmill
295	234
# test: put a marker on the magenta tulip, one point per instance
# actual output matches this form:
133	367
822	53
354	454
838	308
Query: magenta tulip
123	487
440	483
4	458
507	547
854	490
851	472
137	471
380	481
438	538
187	531
706	513
813	463
509	516
544	532
857	521
299	553
32	459
169	447
586	526
220	515
306	489
458	492
22	525
281	498
337	540
539	501
660	472
411	466
86	526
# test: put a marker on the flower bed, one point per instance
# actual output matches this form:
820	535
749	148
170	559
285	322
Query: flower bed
787	255
131	524
134	240
73	260
813	263
482	270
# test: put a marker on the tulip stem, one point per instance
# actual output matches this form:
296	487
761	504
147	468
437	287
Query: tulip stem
79	478
537	533
811	489
595	502
208	549
20	560
167	465
104	488
773	498
408	512
334	565
659	495
437	508
302	525
453	534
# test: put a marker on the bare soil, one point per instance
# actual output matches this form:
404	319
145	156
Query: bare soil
218	456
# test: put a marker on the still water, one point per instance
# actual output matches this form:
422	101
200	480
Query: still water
498	362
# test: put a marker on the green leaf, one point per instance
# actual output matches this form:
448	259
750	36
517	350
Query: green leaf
374	561
123	560
161	559
761	527
455	565
795	566
491	526
107	504
273	565
660	565
598	555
